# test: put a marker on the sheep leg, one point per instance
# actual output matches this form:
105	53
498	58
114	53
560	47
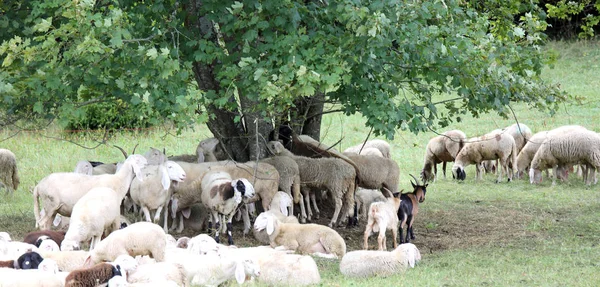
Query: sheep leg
215	216
368	230
229	230
246	219
444	169
381	236
180	226
309	212
478	169
395	235
166	216
434	170
313	198
146	213
157	214
302	209
503	167
336	213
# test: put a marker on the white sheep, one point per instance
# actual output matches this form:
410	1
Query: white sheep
364	198
520	132
487	147
441	149
278	208
11	250
27	278
48	245
67	261
151	190
369	263
9	174
84	167
303	238
222	195
140	238
5	236
60	191
160	271
566	148
97	212
381	145
382	216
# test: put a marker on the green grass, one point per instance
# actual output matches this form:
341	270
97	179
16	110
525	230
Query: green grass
470	234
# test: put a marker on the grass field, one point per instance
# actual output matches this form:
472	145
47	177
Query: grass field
470	234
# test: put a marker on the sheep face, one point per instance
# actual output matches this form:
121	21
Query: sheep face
209	145
535	176
174	173
30	260
246	267
244	186
458	172
275	147
155	156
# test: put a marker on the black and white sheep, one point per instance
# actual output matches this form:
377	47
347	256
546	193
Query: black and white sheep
93	276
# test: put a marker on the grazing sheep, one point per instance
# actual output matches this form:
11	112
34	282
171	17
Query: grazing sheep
60	191
97	212
441	149
566	148
222	195
151	191
333	174
34	236
409	207
67	261
520	132
368	263
84	167
487	147
382	146
528	151
9	174
381	217
93	276
140	238
364	198
303	238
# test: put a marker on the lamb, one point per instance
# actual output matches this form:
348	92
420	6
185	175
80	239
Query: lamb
290	270
67	261
382	146
368	263
409	208
35	236
488	147
9	174
140	238
222	195
364	198
84	167
303	238
93	276
441	149
565	148
278	208
381	217
151	191
60	191
96	212
333	174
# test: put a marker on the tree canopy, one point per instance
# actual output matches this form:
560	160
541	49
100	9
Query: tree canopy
242	65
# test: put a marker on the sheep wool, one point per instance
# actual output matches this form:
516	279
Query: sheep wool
93	276
9	174
369	263
381	146
67	261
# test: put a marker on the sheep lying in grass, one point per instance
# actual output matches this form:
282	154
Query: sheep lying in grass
97	274
60	191
35	236
304	238
441	149
382	146
566	148
9	174
488	147
278	208
67	261
368	263
381	217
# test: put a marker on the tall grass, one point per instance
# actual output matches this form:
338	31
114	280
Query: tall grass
470	233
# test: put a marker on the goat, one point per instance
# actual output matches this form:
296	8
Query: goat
409	207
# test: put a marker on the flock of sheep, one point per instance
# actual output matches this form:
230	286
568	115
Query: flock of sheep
205	191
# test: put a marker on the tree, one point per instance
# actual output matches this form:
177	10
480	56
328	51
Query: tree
242	66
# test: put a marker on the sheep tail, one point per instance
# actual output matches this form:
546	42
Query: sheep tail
36	206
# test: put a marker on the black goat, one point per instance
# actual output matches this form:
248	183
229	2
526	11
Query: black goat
409	207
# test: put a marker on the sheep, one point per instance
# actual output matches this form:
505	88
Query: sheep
119	281
381	217
278	208
5	236
9	173
35	236
364	198
60	191
382	146
487	147
29	260
151	191
222	195
409	207
140	238
11	250
520	132
528	151
376	172
67	261
566	148
96	212
289	180
303	238
161	271
84	167
333	174
28	278
48	245
441	149
369	263
93	276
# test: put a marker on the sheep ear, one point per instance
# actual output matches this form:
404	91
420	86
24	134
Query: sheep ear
57	220
240	275
165	180
88	261
186	212
283	210
270	225
138	172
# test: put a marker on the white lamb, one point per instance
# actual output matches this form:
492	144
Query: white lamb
151	190
97	212
369	263
60	191
382	216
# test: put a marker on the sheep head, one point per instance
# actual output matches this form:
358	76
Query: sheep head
155	156
275	147
535	176
246	267
171	171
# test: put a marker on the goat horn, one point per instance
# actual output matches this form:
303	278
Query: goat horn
416	180
122	150
136	145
